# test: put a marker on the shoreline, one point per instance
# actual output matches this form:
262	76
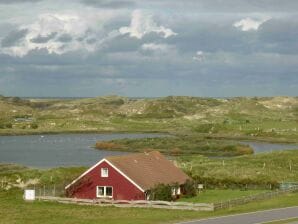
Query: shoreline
81	132
281	140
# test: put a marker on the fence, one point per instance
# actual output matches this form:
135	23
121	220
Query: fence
50	190
135	204
257	197
54	193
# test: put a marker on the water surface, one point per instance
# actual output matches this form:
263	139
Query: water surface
46	151
260	147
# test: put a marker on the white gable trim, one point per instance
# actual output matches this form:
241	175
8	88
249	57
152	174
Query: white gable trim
130	180
83	174
112	165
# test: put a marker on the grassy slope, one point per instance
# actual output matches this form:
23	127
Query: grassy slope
248	117
275	166
16	174
14	210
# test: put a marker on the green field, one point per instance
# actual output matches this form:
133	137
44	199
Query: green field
216	196
14	210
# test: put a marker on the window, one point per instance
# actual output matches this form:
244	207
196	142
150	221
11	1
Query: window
104	192
104	172
176	191
109	191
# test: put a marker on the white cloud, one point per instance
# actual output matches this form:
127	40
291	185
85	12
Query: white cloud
142	24
248	24
199	56
80	32
157	47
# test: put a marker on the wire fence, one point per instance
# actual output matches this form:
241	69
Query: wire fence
57	193
252	198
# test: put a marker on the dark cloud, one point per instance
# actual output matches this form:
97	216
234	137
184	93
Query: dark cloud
237	6
114	4
212	37
65	38
280	30
279	35
13	37
17	1
258	62
43	39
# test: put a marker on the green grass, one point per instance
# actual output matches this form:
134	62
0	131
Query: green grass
179	145
259	169
14	210
216	196
288	221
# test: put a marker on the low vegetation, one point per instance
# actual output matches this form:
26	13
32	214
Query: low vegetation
12	176
269	118
219	195
265	170
167	192
178	145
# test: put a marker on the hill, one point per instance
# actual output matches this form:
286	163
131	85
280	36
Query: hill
266	117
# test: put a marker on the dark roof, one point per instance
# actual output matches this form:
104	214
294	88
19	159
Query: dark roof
148	169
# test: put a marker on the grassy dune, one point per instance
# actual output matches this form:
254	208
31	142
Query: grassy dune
235	117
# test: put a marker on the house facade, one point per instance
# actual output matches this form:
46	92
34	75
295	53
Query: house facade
128	177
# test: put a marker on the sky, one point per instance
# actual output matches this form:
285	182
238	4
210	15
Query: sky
141	48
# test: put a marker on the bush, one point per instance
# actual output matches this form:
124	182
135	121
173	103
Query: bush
189	188
8	125
107	145
34	126
161	192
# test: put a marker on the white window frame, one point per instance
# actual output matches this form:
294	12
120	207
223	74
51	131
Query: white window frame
176	191
104	192
104	172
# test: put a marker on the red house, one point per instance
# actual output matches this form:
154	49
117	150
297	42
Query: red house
126	177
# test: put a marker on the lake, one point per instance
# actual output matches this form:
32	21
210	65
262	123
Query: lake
46	151
260	147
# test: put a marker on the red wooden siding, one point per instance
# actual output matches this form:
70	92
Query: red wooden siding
123	189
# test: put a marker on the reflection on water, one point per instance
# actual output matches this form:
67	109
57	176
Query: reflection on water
260	147
57	150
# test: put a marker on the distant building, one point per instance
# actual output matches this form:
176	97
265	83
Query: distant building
128	177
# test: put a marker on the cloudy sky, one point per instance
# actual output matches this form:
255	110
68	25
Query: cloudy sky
148	48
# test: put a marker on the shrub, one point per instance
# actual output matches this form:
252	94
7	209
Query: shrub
161	192
189	188
8	125
34	126
107	145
